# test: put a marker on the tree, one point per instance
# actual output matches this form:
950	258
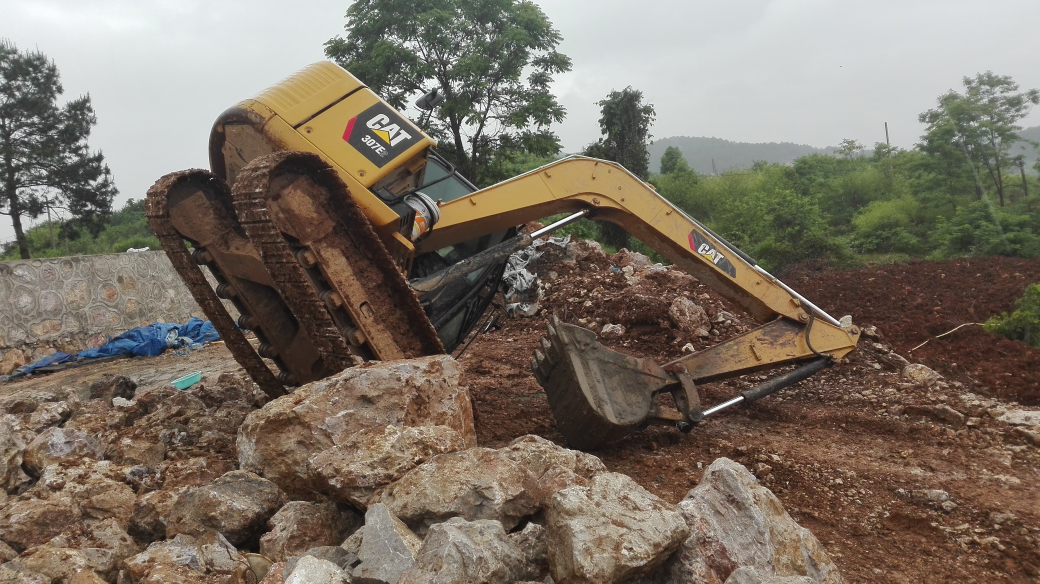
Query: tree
673	161
625	124
45	162
982	124
476	53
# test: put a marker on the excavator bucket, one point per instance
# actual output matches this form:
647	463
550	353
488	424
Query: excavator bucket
597	396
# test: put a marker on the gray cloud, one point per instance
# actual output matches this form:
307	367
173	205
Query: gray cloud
808	71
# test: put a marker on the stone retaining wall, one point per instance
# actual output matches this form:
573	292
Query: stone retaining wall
74	303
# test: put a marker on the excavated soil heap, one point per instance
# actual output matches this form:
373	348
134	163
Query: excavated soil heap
913	303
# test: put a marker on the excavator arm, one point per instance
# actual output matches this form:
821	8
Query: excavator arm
598	395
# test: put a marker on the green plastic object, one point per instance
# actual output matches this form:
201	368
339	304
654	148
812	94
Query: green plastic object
187	381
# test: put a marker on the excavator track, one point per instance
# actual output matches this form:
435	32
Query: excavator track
329	264
157	211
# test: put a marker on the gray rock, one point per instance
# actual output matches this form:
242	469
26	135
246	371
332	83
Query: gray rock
532	543
108	387
311	570
551	467
466	551
299	526
237	505
17	574
49	414
13	440
689	316
217	555
278	440
1021	418
56	445
355	469
611	531
180	551
388	547
921	375
737	523
335	554
479	483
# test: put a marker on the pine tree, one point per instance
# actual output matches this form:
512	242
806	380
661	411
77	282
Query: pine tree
45	163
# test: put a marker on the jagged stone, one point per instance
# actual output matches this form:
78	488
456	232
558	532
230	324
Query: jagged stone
28	522
466	551
57	445
335	554
311	570
178	551
195	472
86	577
108	387
299	526
237	505
57	564
689	316
611	531
479	483
13	440
388	547
49	414
375	457
104	545
920	375
133	450
532	543
278	440
218	556
152	511
737	523
551	467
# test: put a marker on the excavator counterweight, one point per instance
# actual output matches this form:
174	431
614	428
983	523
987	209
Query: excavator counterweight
338	233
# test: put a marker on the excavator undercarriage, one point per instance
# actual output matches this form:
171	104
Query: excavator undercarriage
339	235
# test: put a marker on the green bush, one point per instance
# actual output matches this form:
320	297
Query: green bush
1024	323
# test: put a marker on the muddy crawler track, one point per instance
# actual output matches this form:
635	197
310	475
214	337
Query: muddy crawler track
157	212
398	319
250	200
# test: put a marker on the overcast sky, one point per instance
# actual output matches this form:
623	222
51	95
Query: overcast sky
806	71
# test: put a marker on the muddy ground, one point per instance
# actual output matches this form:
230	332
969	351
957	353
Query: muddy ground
857	454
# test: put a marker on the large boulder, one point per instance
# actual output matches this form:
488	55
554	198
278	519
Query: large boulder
388	547
312	570
353	470
57	445
237	505
278	440
737	523
102	546
551	467
611	531
299	526
467	551
479	483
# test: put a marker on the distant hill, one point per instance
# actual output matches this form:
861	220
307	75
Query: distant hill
729	155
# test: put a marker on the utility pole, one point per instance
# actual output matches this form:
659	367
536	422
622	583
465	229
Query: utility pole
886	135
713	170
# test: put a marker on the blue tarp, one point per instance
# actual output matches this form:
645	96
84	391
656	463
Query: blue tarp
152	339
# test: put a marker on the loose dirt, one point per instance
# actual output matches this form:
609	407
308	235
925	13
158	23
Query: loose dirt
855	452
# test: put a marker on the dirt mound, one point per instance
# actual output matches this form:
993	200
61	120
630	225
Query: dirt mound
913	303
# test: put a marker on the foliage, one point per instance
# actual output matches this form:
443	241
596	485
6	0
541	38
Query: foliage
981	229
673	161
625	124
477	53
125	229
977	129
46	162
1024	323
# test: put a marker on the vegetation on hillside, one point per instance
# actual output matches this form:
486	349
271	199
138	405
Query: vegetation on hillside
125	229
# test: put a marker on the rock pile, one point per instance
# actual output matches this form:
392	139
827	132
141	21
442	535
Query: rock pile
371	476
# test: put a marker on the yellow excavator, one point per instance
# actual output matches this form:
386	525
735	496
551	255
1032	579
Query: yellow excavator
339	234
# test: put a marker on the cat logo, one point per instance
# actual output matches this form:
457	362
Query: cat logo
380	134
700	244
